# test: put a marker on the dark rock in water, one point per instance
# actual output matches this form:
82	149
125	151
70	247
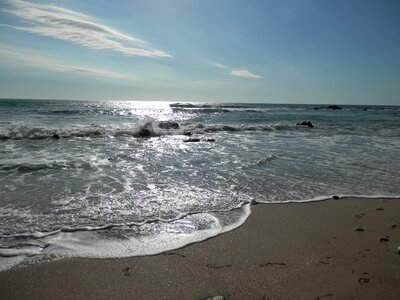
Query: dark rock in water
335	197
56	136
188	133
168	125
191	141
333	107
183	105
144	132
305	123
210	140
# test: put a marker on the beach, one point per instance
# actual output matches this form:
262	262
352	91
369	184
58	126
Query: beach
210	150
333	249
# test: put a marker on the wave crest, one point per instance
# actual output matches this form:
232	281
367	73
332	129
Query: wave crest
145	130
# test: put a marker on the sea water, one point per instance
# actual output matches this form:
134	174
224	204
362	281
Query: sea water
101	179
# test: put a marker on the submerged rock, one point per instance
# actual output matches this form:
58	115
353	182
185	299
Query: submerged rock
305	123
210	140
187	133
144	132
168	125
334	107
195	140
56	136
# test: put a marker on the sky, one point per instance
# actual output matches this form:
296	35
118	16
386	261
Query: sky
273	51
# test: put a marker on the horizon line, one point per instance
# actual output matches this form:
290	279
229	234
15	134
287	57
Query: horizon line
197	101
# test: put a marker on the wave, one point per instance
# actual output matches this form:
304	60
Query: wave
217	108
252	107
38	133
261	162
383	108
179	216
88	111
123	240
220	110
208	105
37	235
331	197
33	167
145	130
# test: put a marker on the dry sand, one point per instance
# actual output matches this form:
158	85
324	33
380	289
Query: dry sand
335	249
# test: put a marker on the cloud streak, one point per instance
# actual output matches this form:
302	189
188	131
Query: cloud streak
245	74
222	66
239	73
74	27
31	60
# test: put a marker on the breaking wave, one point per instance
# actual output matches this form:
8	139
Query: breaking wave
18	132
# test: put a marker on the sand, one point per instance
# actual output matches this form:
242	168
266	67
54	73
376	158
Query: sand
334	249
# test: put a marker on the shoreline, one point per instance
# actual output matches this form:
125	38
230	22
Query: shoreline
332	249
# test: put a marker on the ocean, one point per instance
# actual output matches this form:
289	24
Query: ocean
106	179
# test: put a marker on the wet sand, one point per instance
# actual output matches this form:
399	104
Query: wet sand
335	249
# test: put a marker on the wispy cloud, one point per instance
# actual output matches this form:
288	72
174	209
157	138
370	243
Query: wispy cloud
245	74
71	26
221	66
32	60
239	73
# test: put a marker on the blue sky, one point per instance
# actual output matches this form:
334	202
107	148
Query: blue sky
299	51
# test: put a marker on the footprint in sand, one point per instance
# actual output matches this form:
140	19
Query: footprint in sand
359	229
325	262
364	279
384	239
359	216
363	253
380	208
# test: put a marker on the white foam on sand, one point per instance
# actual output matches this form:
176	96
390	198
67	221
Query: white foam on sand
173	235
334	197
148	239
